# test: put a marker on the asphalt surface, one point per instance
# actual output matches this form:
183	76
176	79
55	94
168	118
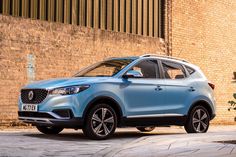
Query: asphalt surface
163	142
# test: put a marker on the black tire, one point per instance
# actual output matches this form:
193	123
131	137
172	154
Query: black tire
197	122
146	129
49	130
100	127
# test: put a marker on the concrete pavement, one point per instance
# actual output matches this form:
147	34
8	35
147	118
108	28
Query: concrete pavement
163	142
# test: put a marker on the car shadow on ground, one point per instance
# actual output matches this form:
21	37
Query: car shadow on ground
79	136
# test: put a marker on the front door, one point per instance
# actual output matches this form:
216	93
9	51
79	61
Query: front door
144	96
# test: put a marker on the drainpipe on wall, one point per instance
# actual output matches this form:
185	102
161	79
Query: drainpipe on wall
168	39
30	68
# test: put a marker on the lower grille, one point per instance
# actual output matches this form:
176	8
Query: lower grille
35	114
33	96
64	113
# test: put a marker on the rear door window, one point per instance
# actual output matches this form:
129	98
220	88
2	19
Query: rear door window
173	70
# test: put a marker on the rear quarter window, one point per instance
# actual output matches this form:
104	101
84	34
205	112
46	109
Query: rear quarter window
173	70
190	70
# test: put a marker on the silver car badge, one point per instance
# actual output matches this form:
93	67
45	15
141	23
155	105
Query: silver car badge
30	95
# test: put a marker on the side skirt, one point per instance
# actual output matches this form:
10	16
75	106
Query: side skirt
154	121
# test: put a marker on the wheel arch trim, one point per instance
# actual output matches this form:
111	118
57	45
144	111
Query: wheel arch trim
116	106
205	104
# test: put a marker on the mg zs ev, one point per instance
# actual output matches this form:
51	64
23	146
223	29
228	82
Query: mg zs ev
142	92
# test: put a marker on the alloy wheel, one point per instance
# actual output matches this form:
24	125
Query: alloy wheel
200	120
102	122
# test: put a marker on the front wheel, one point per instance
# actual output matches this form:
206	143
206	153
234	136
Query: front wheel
49	130
100	123
198	120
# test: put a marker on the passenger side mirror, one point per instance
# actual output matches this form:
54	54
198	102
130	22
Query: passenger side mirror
132	74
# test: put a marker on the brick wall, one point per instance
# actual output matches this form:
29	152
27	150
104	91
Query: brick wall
201	31
204	32
31	49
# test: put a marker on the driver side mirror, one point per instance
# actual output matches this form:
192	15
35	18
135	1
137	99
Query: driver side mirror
133	74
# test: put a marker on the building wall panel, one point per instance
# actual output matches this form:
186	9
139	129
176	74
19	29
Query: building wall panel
130	16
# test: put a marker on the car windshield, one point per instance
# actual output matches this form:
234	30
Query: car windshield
106	68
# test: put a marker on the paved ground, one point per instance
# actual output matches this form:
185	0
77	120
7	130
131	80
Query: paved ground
162	142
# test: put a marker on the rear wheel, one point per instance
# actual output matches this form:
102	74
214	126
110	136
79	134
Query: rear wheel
198	120
100	123
49	130
146	129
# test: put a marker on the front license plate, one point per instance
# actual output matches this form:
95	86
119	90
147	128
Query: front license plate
30	107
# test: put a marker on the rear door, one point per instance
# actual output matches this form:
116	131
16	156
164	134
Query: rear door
177	87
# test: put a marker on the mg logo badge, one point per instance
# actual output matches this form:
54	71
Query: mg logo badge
31	95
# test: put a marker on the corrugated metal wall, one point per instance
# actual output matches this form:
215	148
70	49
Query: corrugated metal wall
143	17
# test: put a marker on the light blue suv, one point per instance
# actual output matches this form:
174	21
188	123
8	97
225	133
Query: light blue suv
142	92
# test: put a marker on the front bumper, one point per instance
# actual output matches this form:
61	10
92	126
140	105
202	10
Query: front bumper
50	119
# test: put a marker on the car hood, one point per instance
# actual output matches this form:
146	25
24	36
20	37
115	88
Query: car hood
62	82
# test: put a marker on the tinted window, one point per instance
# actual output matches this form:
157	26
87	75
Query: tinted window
148	68
105	69
173	70
190	70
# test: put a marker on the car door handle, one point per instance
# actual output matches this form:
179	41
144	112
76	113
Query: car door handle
191	89
158	88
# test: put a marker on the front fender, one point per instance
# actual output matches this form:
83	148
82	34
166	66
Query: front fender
109	95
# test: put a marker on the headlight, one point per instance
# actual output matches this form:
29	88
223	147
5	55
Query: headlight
68	90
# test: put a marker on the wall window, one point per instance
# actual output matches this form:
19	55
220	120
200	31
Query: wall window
0	6
143	17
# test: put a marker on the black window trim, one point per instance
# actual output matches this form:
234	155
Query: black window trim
186	71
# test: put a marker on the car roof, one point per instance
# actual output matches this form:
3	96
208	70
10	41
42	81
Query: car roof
170	58
150	56
156	56
164	57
